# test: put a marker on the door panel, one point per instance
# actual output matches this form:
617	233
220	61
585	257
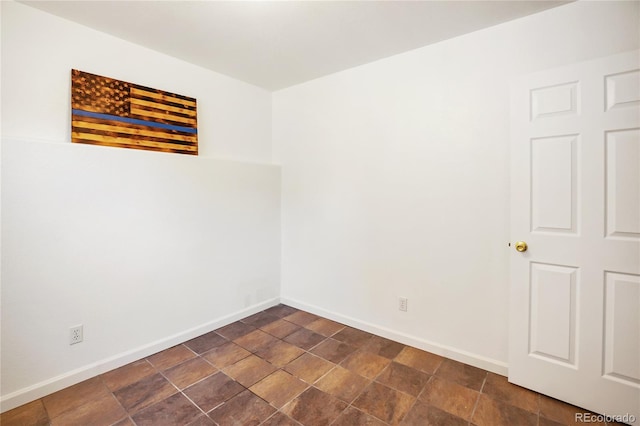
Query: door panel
575	199
553	312
554	184
558	100
622	89
623	183
622	328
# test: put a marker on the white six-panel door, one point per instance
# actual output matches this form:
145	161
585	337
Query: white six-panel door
575	201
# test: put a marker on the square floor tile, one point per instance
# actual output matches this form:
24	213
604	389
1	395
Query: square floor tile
144	393
490	412
366	364
309	367
383	347
202	420
281	310
301	318
224	355
213	391
255	340
278	388
404	378
175	410
235	330
243	409
385	403
542	421
324	326
353	336
281	366
130	373
170	357
466	375
102	410
419	359
314	407
422	414
32	414
342	384
352	417
189	372
451	397
249	370
280	328
205	343
304	339
280	419
499	388
280	353
561	412
74	396
333	350
260	319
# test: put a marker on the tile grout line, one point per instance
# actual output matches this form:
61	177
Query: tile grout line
370	380
49	419
281	339
308	351
286	403
349	405
117	400
473	412
416	399
129	415
374	380
182	391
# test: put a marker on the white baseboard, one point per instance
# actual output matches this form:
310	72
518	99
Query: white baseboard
495	366
46	387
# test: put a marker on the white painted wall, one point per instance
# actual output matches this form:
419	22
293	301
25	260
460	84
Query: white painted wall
395	179
395	183
145	249
39	50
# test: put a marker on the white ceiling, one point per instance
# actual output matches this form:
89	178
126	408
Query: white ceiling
276	44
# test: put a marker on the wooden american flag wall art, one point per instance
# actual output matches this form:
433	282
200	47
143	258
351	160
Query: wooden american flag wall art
111	112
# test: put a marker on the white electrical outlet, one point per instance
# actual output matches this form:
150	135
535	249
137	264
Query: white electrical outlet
75	334
402	304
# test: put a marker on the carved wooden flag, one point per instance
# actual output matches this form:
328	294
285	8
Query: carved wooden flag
110	112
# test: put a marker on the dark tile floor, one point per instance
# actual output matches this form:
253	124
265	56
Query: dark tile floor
285	367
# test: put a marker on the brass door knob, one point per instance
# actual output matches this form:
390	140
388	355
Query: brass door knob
521	246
